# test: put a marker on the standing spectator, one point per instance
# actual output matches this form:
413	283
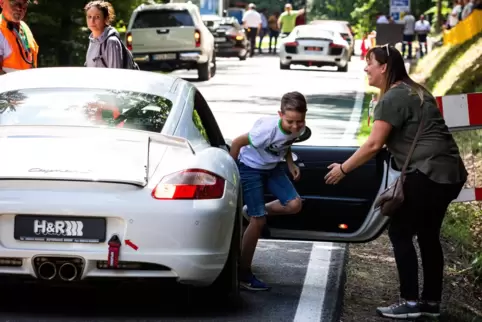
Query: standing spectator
381	18
422	28
252	23
273	30
434	178
264	28
456	14
468	7
105	47
287	20
408	33
18	48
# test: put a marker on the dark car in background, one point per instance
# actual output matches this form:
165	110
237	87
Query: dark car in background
229	36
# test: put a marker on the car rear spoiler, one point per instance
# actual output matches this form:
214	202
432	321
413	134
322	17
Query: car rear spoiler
172	141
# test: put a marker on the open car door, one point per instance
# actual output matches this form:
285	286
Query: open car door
344	212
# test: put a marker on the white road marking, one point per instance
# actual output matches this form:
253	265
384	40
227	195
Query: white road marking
310	305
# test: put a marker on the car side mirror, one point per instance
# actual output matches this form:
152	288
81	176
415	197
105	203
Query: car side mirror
305	135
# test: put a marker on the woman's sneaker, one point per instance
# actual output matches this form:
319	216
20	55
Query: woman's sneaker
430	309
253	284
402	310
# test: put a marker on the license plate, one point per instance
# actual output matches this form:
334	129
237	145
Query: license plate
220	39
313	49
59	229
164	56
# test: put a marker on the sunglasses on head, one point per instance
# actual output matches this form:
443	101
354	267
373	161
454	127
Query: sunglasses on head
386	46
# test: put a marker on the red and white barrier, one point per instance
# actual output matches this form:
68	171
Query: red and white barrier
469	194
461	110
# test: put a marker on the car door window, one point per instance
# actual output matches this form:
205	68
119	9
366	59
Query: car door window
196	119
206	124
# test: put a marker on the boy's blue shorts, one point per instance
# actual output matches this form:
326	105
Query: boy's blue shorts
254	181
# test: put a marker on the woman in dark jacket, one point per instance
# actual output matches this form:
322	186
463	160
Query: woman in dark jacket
435	177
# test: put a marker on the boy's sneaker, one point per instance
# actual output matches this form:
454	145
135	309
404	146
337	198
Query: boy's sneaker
430	309
253	284
402	310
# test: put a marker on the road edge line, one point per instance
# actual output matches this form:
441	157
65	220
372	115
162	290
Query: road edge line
333	305
313	293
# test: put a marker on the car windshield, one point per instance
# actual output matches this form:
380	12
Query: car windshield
84	107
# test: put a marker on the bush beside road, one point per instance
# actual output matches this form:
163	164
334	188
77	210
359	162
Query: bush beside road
371	273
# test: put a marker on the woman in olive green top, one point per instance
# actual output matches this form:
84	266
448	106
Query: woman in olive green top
435	177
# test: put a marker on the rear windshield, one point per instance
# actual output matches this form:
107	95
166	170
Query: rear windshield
314	32
338	27
84	107
162	18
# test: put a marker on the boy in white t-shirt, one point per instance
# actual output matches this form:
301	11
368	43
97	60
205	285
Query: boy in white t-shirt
259	153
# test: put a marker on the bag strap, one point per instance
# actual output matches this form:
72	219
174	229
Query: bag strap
104	44
414	143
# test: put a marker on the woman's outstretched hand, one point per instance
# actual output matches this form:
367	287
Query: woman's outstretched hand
335	174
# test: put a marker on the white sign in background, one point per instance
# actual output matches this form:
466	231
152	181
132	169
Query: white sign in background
397	7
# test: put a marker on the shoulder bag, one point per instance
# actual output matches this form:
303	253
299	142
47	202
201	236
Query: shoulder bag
390	200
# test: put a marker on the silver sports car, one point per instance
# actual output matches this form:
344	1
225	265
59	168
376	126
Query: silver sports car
314	45
113	173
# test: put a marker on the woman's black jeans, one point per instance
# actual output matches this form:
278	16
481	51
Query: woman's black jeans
421	215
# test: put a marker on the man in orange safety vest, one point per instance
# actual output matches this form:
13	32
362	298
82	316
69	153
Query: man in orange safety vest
18	48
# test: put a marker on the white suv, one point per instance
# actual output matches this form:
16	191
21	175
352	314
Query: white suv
172	36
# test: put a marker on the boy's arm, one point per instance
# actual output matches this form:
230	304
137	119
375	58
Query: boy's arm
237	144
289	158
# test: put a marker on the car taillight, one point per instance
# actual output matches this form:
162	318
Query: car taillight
291	44
190	184
129	41
197	38
333	45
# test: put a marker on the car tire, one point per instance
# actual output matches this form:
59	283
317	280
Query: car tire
343	68
226	285
213	61
244	57
284	66
204	71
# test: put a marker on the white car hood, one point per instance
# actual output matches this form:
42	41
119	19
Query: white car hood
74	158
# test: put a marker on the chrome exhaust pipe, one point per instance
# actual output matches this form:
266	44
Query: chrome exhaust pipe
68	272
47	270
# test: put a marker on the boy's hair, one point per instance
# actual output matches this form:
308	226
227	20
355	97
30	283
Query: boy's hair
293	101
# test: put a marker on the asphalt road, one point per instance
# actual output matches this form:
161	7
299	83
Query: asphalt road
306	277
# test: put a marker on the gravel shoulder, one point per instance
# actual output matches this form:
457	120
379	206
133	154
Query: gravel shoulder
372	280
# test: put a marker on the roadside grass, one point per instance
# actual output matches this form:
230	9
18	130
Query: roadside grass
451	65
365	128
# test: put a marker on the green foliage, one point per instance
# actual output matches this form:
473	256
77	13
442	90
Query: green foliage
446	8
365	14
